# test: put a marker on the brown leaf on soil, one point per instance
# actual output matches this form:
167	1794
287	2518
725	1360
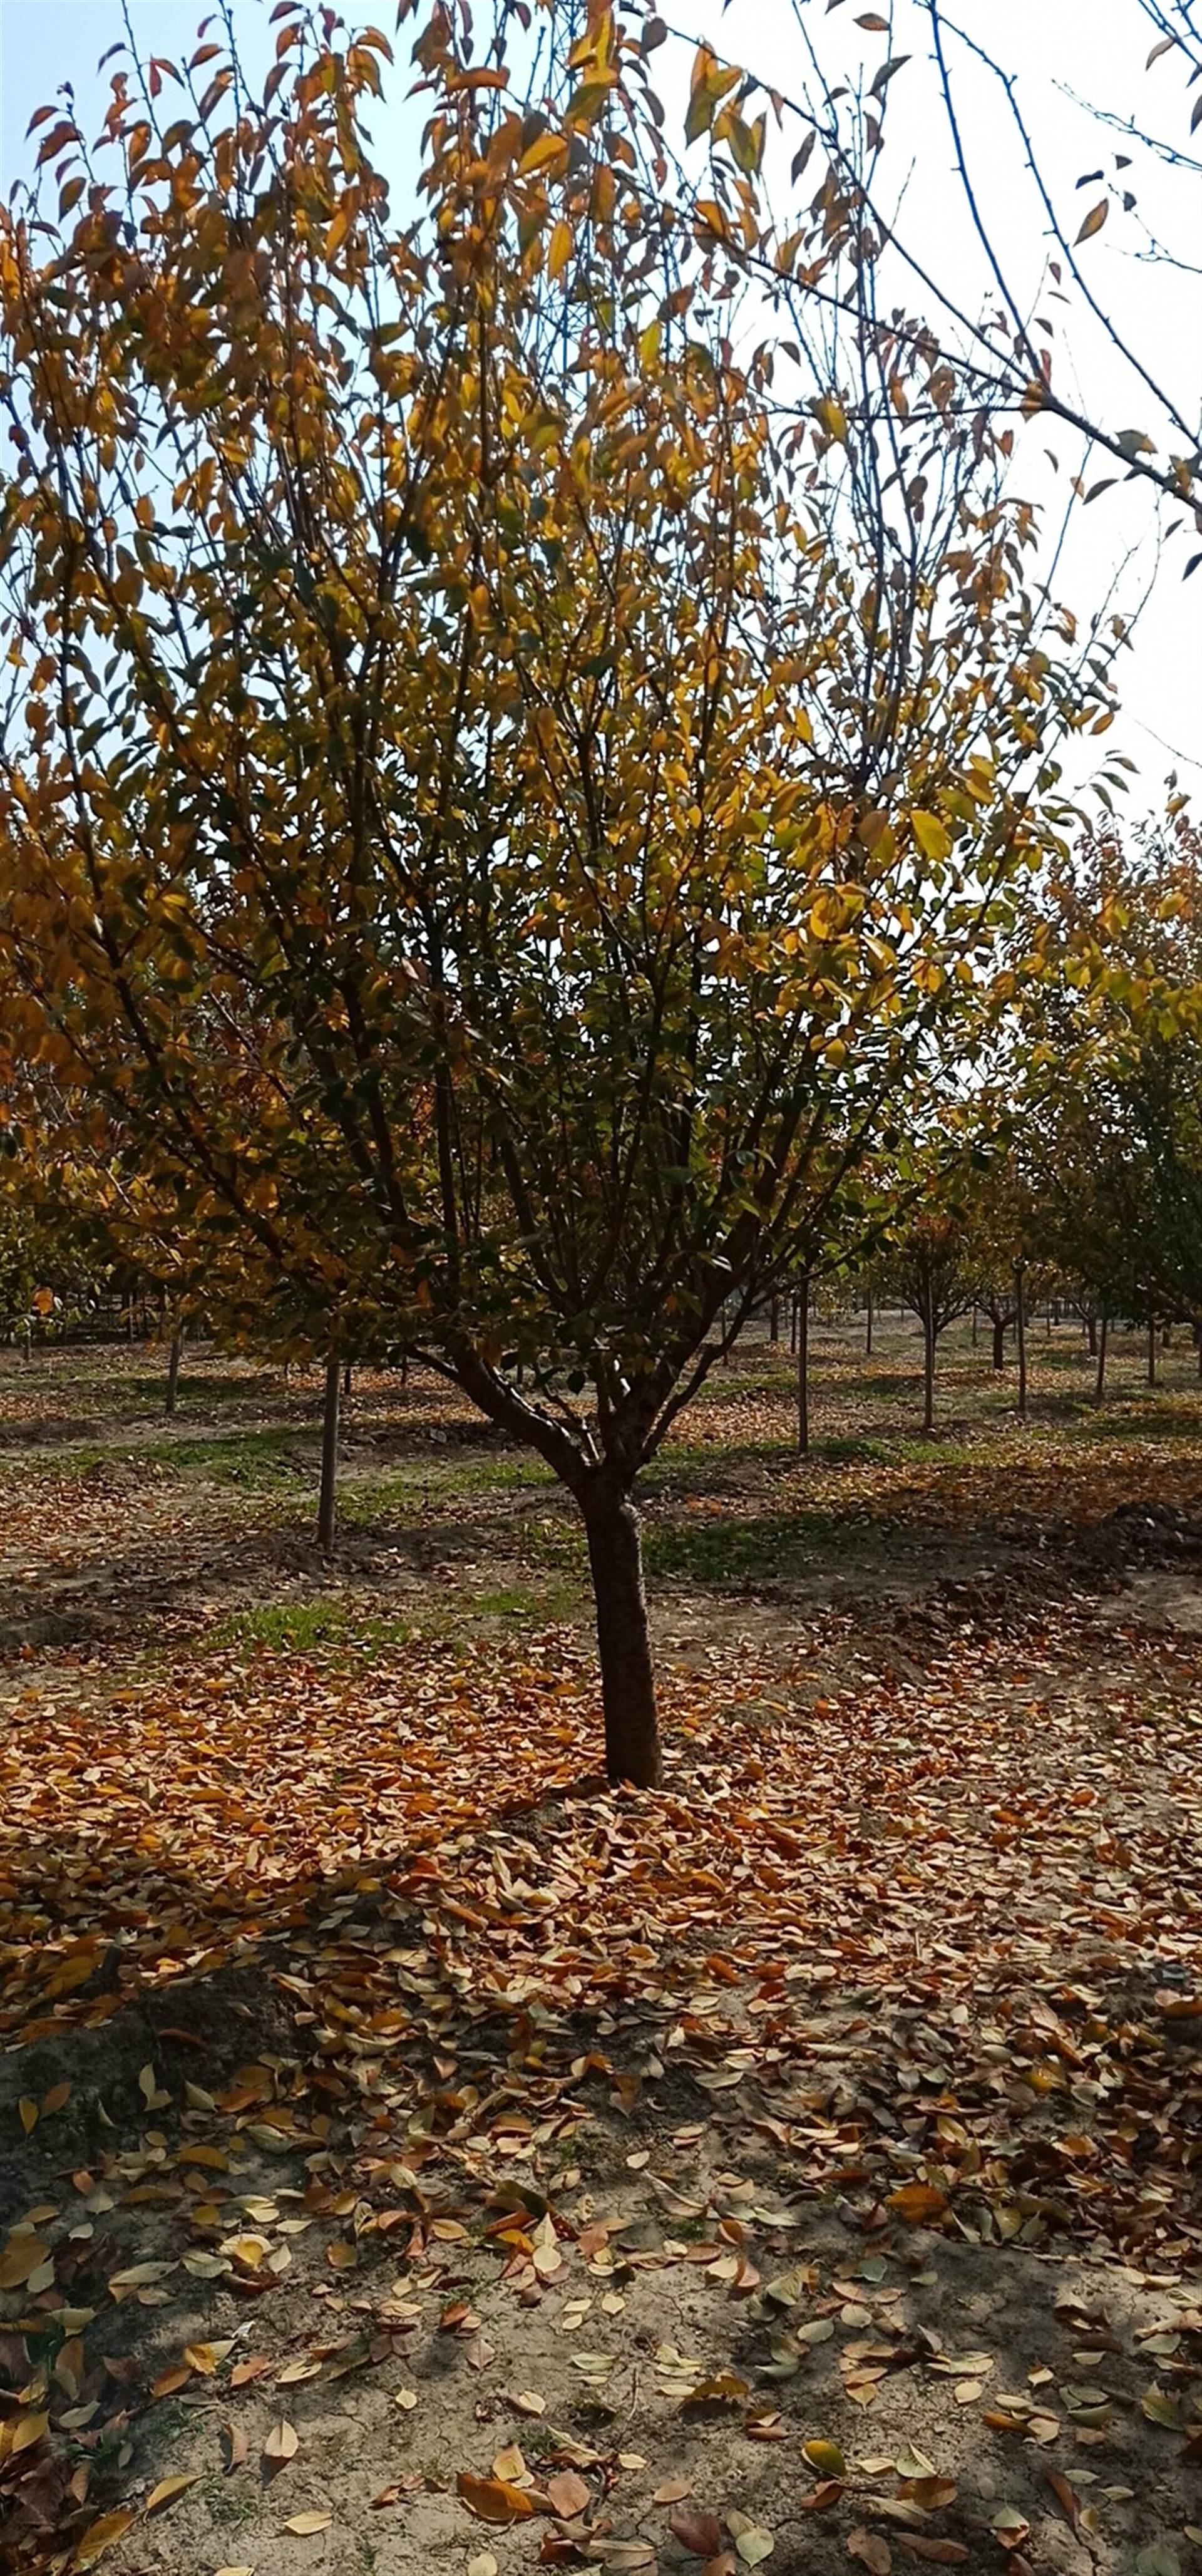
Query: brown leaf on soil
872	2551
699	2533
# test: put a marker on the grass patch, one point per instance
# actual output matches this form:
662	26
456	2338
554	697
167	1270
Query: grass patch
720	1551
299	1627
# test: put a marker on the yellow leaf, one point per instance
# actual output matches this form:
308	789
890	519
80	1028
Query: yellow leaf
304	2523
27	2430
549	148
102	2535
932	836
22	2256
1094	220
28	2113
167	2490
559	248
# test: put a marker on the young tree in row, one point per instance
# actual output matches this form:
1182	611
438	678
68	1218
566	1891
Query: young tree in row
493	813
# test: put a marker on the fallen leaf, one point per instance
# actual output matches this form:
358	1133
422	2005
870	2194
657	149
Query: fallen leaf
167	2490
20	2259
826	2457
281	2445
304	2524
492	2499
871	2549
917	2203
103	2535
568	2494
699	2533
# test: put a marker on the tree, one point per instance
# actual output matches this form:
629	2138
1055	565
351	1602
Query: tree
492	815
931	1274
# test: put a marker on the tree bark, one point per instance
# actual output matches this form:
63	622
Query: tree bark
974	1328
803	1367
346	1379
928	1366
173	1360
327	1505
1151	1350
1091	1327
1100	1381
774	1320
868	1330
623	1642
999	1344
1020	1331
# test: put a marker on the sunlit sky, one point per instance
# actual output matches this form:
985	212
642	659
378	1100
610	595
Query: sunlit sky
1068	57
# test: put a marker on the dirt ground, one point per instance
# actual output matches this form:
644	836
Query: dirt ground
414	2156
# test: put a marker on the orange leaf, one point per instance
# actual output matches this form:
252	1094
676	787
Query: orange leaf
492	2499
916	2202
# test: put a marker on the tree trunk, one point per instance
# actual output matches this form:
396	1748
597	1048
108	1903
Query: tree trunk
346	1379
803	1367
173	1361
623	1643
868	1330
774	1320
1151	1350
928	1367
328	1499
1047	1329
1100	1381
1091	1327
793	1325
1020	1330
999	1344
974	1328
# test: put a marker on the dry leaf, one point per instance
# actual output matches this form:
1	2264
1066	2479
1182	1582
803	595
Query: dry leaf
699	2533
281	2445
304	2524
167	2490
492	2499
871	2549
102	2535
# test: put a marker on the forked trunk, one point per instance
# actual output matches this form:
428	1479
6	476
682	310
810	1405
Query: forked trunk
328	1499
623	1642
173	1361
999	1344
